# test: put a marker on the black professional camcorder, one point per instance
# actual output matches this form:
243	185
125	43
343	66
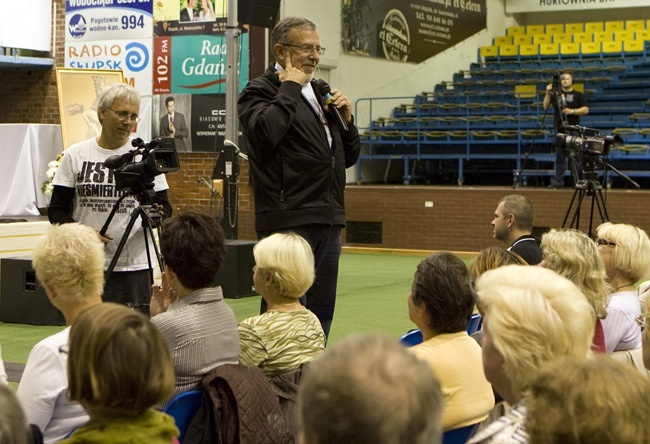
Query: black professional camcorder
557	82
586	141
157	157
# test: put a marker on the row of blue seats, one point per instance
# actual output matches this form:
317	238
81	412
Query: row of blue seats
542	74
459	125
557	64
527	111
466	110
540	84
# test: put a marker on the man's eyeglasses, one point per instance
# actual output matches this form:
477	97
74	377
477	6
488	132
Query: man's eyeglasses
642	321
123	115
307	49
604	242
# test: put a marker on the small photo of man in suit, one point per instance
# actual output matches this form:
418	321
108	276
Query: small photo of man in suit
173	124
188	14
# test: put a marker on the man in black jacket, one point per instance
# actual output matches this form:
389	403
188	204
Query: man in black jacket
513	224
298	154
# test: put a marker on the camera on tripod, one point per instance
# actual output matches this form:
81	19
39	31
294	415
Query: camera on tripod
156	157
586	141
557	82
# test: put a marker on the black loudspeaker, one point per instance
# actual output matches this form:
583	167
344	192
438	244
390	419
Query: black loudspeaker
236	274
23	299
262	13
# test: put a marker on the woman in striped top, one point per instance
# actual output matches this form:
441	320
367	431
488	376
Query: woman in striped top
288	334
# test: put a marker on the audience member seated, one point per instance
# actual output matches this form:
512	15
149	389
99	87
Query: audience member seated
572	254
69	262
588	401
288	334
200	328
369	389
119	367
533	316
3	373
626	252
440	304
491	258
13	426
513	224
642	320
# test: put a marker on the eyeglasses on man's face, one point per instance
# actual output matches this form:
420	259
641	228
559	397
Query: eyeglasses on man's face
307	49
605	243
123	115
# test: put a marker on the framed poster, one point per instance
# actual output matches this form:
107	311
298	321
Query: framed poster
79	91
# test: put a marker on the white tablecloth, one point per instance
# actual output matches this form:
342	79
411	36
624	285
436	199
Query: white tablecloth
18	239
25	151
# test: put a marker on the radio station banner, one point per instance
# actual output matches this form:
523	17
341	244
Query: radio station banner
515	6
133	57
409	30
91	20
195	64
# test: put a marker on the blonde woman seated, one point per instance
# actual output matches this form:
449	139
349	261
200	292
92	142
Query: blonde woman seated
118	368
572	254
440	304
288	334
589	401
491	258
625	249
533	316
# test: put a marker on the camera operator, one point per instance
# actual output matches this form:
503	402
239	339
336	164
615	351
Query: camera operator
85	191
568	106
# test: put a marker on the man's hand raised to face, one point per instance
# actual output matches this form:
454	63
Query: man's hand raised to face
292	73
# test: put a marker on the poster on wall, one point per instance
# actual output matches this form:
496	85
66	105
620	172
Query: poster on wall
188	17
78	91
195	64
408	31
88	20
197	122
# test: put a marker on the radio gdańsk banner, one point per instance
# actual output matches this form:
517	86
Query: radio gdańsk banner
409	31
90	20
515	6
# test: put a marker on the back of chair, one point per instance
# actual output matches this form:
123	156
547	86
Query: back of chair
475	324
460	435
183	408
413	337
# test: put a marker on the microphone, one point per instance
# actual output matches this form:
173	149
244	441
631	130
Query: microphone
324	89
118	161
238	152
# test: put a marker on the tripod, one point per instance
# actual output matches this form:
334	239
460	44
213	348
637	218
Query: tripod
150	220
589	186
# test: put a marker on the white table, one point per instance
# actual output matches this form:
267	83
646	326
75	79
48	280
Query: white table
26	150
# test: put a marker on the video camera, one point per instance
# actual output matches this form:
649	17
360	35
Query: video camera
586	141
557	82
157	157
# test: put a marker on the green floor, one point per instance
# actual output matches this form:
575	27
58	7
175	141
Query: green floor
372	293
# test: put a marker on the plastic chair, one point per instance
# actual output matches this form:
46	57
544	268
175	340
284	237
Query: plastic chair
475	324
183	408
460	435
413	337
